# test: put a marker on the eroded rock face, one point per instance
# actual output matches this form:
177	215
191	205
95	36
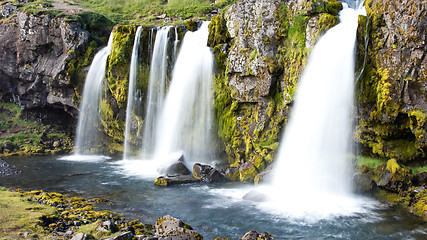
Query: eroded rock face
35	51
252	25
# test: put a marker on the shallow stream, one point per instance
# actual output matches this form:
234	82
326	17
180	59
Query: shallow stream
214	210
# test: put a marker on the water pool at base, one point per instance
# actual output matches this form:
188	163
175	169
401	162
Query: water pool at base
211	209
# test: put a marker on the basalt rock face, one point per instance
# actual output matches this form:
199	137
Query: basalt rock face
391	92
252	26
260	48
33	64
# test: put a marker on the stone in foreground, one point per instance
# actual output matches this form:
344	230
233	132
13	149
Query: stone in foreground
171	228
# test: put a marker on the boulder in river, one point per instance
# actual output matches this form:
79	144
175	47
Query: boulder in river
206	173
177	166
7	170
255	196
254	235
169	180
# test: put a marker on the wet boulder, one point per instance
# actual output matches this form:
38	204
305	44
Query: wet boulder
255	196
177	166
171	228
260	177
169	180
206	173
254	235
363	180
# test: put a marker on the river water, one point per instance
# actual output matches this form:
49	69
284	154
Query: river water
214	210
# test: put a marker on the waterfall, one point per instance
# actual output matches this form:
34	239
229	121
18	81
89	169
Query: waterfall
186	119
156	89
312	176
131	93
87	128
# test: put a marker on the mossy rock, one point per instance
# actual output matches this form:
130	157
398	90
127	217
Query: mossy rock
392	176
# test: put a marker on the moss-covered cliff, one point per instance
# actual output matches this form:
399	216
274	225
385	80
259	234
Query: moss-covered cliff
391	92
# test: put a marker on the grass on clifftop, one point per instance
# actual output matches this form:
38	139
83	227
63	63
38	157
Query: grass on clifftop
18	216
143	11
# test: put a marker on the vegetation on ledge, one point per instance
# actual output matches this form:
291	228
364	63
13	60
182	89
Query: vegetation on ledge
22	136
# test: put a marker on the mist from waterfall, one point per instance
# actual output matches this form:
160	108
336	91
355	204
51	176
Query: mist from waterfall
156	89
185	123
87	137
312	175
131	93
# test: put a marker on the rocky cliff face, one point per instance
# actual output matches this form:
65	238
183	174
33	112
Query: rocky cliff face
261	59
392	88
33	65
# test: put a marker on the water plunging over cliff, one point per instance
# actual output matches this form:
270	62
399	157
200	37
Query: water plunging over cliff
186	120
312	175
87	129
131	92
156	89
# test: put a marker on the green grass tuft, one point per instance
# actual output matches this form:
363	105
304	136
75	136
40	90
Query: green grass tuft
369	162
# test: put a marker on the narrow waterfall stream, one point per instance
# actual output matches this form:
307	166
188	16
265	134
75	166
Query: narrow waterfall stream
87	137
156	89
131	92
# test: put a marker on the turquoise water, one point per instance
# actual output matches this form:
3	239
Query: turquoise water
214	210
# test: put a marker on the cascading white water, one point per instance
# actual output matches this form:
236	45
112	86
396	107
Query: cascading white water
156	89
186	119
87	128
131	93
312	175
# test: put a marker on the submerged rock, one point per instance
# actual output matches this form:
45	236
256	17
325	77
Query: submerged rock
7	170
169	180
255	196
171	228
206	173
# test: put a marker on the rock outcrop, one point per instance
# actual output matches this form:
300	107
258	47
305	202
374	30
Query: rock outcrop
392	89
33	66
